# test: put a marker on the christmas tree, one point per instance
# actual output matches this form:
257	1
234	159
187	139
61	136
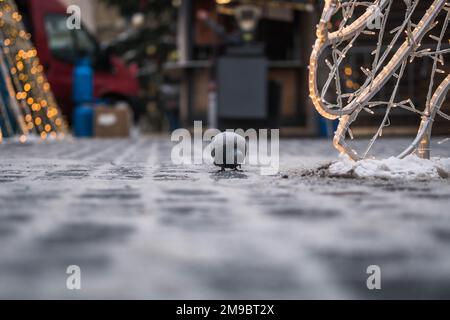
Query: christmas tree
27	104
149	45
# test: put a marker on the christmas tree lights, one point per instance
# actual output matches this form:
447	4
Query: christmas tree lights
389	63
27	104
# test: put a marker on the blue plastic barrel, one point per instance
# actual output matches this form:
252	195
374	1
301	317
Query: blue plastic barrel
83	121
83	82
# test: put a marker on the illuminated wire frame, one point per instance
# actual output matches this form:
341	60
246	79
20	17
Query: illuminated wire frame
27	104
389	64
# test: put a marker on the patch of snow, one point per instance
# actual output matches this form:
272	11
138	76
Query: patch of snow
409	168
444	163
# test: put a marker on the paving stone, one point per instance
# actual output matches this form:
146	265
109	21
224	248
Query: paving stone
140	226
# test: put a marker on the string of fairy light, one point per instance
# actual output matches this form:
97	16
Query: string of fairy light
35	109
386	64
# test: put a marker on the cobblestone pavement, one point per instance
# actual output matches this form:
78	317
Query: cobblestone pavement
141	227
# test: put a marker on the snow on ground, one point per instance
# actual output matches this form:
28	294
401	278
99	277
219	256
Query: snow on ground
409	168
140	226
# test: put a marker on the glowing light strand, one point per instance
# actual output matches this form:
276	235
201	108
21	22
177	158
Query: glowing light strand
31	99
382	69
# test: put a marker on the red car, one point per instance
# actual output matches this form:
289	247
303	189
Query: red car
60	47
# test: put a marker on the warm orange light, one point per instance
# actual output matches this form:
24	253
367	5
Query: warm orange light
23	139
36	107
349	84
348	71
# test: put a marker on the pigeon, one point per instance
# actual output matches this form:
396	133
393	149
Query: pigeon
228	150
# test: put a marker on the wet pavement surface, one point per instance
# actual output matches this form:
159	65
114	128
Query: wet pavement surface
139	226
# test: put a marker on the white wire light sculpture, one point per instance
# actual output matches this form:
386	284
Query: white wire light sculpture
395	49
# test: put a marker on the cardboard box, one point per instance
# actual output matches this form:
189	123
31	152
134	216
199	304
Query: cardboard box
112	122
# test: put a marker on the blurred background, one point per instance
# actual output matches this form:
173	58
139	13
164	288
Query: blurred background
141	226
230	63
